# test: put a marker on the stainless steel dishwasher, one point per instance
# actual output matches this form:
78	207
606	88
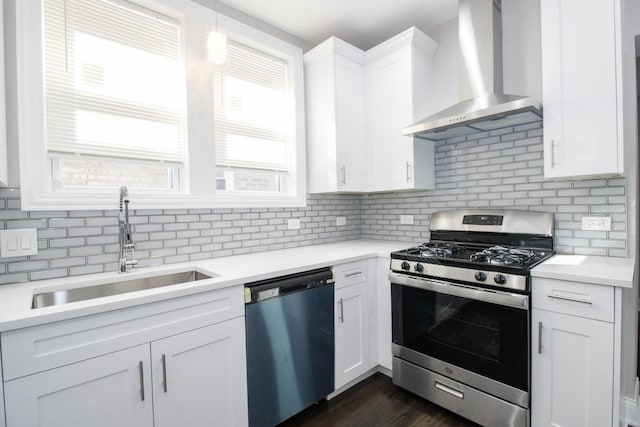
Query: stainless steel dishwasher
290	344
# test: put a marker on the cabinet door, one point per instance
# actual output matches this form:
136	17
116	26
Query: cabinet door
350	127
579	80
571	371
390	86
351	333
199	377
106	391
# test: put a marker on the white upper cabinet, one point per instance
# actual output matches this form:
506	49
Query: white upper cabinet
357	104
335	111
399	74
581	79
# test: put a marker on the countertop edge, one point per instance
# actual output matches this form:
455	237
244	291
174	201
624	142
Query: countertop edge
231	271
607	271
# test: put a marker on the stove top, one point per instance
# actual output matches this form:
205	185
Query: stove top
487	248
469	255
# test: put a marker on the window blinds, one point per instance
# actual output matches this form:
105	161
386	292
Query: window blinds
254	115
113	80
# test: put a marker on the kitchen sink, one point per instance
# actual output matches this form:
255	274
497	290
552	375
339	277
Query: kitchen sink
64	296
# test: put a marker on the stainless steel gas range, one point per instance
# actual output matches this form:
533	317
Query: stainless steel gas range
460	312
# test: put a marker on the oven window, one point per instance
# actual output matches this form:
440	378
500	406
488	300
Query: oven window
485	338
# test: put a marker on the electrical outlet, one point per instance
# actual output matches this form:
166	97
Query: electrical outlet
406	219
293	224
596	223
341	220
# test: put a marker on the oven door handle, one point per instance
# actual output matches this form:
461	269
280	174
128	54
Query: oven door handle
463	291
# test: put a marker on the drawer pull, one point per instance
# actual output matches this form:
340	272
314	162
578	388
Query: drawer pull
451	391
141	369
164	372
539	337
581	301
355	273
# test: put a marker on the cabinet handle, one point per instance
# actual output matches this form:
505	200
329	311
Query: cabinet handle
343	170
447	389
164	372
341	316
141	370
539	337
355	273
553	152
408	174
581	301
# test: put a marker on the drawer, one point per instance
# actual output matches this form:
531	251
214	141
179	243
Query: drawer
350	273
38	348
573	298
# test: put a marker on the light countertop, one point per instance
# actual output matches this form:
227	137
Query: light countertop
588	269
16	299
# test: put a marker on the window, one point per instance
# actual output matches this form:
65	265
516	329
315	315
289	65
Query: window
114	95
121	92
253	119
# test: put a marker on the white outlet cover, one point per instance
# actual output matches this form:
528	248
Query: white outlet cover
341	220
18	242
406	219
293	224
596	223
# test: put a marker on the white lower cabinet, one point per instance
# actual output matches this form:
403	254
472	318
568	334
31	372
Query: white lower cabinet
352	320
110	390
573	354
573	372
174	363
198	377
383	315
352	333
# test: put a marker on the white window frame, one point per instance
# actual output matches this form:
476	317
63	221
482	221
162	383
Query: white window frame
199	180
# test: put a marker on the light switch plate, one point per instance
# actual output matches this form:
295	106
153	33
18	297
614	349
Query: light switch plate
341	220
406	219
596	223
18	242
293	224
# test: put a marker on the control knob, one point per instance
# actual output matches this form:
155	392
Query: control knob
405	266
481	276
419	268
499	279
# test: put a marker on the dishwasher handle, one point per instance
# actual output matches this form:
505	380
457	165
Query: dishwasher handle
293	288
280	286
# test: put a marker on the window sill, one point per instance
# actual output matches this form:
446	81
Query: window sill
67	202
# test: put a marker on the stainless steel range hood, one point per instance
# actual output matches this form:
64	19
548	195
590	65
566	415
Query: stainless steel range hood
484	106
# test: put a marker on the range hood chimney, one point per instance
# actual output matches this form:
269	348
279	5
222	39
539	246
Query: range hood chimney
484	106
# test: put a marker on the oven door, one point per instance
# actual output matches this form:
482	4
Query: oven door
477	336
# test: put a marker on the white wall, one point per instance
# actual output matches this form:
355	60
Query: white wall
445	65
522	57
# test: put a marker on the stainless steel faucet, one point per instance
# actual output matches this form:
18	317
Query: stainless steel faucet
125	233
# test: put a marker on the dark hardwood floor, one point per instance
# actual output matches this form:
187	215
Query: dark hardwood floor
377	402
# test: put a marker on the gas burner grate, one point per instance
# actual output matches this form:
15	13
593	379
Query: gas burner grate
437	250
500	255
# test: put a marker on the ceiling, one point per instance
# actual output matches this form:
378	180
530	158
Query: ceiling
363	23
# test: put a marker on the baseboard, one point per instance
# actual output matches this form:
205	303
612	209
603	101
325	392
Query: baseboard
350	384
386	371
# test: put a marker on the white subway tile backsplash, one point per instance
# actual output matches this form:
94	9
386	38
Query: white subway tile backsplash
501	169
